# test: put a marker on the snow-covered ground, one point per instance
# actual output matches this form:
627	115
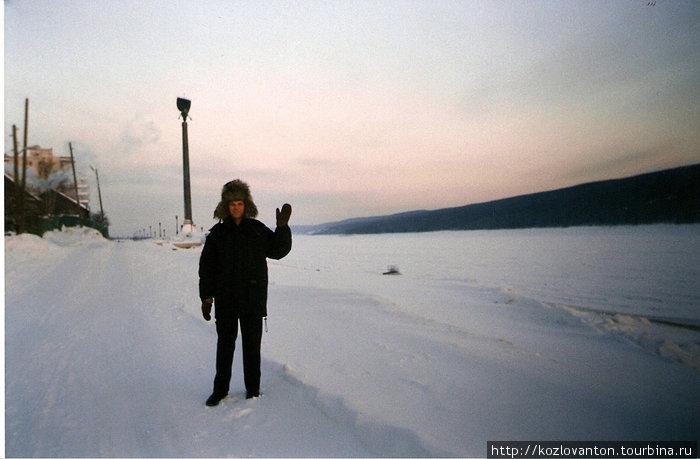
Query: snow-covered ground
544	334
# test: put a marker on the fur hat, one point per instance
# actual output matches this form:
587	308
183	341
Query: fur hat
235	190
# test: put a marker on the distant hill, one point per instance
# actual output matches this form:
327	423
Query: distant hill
669	196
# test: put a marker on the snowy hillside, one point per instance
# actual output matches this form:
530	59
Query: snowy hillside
558	334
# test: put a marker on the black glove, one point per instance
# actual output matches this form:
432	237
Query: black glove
206	308
283	216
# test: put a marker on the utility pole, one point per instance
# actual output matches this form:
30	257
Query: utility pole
75	181
19	195
24	165
24	154
99	195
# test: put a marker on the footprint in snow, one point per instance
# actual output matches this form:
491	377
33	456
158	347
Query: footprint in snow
243	412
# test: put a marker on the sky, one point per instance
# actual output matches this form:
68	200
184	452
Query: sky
353	108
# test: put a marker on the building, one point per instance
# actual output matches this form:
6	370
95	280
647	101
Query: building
49	200
41	161
33	207
49	172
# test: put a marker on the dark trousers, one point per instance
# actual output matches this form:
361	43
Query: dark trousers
251	337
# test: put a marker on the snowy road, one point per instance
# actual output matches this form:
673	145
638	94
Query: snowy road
107	355
104	360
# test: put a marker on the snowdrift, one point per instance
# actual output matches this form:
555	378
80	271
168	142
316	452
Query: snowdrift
559	334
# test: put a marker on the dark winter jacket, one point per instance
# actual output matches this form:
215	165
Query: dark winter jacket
233	266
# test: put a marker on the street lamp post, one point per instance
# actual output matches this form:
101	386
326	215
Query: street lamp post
184	106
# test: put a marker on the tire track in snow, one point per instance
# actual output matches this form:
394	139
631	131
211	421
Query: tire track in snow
87	346
41	350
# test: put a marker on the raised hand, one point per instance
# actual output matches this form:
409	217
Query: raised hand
283	215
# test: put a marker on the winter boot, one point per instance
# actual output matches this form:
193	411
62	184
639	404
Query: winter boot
215	398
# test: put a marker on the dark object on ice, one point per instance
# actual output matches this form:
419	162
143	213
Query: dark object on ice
392	270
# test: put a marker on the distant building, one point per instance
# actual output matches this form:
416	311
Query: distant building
50	200
41	161
44	167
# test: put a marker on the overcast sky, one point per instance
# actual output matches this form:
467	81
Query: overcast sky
352	108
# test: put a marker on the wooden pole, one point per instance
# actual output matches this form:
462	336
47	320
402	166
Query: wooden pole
99	195
75	181
24	164
19	196
24	154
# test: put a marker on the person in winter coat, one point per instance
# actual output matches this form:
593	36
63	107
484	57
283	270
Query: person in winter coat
233	277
